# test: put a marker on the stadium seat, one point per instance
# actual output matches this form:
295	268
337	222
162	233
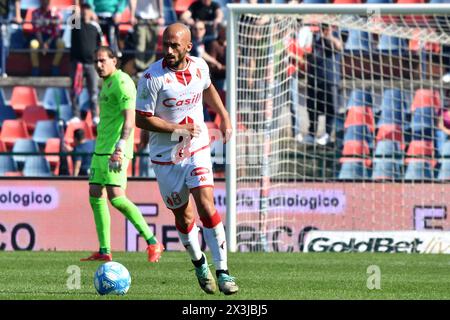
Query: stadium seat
36	166
388	149
181	6
444	170
380	1
65	112
391	132
356	148
410	1
21	148
7	164
419	170
420	148
358	133
424	98
3	102
124	22
32	114
46	129
386	169
71	127
445	150
61	4
359	98
394	108
358	40
22	97
315	1
6	113
53	145
12	130
440	139
27	26
423	123
3	147
54	98
357	116
393	45
354	169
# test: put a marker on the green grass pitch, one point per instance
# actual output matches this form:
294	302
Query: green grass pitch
261	276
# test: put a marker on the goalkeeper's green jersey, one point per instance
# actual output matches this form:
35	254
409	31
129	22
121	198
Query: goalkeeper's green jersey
118	93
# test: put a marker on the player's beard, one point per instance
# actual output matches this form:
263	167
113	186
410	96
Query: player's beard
176	63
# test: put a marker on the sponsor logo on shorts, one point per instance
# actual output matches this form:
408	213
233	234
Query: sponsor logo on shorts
199	171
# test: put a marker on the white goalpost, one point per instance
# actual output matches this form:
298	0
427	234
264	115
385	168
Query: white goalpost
339	115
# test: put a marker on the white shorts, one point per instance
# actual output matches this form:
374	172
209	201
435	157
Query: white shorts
176	180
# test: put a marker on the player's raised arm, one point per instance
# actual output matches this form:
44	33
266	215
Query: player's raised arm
212	99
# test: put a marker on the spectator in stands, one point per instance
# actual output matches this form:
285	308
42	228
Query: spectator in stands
46	22
108	13
207	11
83	153
84	41
217	50
5	18
147	16
322	79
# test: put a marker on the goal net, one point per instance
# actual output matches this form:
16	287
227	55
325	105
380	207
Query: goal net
341	121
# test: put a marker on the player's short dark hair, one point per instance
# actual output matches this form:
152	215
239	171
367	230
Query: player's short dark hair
108	51
78	134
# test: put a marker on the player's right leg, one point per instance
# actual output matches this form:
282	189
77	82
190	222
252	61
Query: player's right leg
116	183
176	197
99	205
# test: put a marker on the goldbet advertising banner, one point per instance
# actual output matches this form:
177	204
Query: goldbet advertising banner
56	215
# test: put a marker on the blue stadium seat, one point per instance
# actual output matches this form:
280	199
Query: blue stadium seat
380	1
386	169
7	164
358	41
354	170
441	138
359	98
65	112
315	1
394	108
6	113
445	150
37	166
55	97
423	123
394	45
358	133
3	102
444	170
46	129
23	146
388	149
419	171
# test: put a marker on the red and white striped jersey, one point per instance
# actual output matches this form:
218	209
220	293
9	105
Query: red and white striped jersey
175	96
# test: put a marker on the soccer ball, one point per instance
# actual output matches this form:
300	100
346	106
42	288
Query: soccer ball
112	278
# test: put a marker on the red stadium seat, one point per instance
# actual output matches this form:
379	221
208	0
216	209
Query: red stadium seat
181	6
13	130
360	116
426	98
27	26
356	148
32	114
62	4
3	146
346	1
367	162
420	148
71	127
409	1
124	22
53	145
391	132
22	97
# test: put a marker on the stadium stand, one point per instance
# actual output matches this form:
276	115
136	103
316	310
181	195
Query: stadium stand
21	149
36	166
22	97
12	130
386	169
7	164
33	114
46	129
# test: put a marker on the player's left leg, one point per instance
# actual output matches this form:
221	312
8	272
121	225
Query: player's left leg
214	234
115	187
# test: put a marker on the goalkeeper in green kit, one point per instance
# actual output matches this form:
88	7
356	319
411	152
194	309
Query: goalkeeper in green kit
113	152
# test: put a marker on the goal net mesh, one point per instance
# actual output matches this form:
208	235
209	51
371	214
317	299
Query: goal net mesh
341	125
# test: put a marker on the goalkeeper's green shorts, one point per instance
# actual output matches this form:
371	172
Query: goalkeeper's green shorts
100	173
